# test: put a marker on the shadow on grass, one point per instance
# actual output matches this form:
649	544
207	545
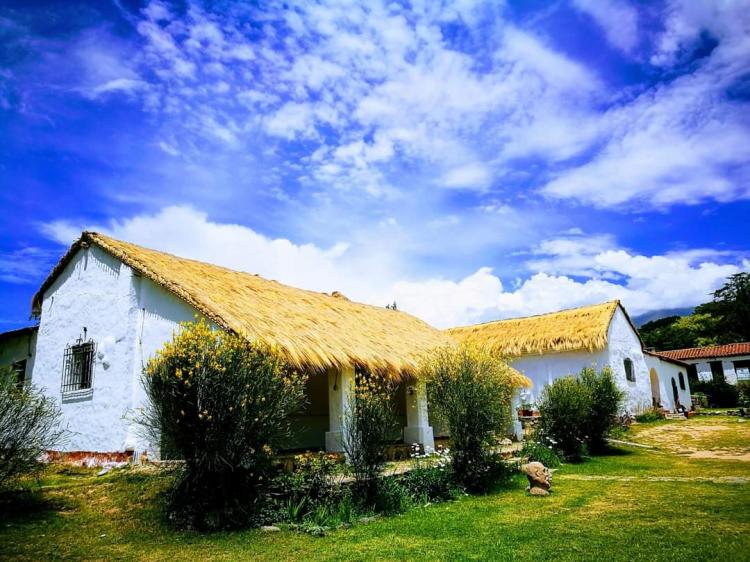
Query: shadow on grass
612	451
30	505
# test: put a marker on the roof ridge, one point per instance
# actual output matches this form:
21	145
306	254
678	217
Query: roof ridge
705	346
614	303
97	238
315	329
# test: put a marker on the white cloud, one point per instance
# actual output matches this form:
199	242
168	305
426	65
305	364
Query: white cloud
381	88
472	176
127	85
557	265
683	141
617	18
25	265
686	21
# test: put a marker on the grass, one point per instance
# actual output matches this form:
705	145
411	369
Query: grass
595	509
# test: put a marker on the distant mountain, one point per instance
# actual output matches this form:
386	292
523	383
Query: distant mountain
662	313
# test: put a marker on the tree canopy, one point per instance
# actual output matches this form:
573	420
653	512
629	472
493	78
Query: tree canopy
725	319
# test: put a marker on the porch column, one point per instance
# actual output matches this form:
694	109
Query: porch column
340	391
418	428
515	429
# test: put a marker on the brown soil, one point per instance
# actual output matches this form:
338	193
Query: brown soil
681	438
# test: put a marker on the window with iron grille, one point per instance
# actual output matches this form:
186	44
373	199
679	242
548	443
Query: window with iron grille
629	374
78	366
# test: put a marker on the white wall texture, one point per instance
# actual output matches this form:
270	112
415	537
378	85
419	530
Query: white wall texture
623	343
666	371
129	318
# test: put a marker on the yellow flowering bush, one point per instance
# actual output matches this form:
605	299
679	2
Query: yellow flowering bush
223	404
470	390
371	419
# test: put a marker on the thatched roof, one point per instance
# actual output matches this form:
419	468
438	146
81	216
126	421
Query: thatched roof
575	329
314	330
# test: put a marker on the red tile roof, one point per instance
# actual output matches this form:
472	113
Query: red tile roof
664	357
729	350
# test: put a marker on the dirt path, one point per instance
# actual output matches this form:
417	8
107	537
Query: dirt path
713	479
718	438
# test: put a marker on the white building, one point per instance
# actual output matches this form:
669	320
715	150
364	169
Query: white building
17	351
729	362
108	306
549	346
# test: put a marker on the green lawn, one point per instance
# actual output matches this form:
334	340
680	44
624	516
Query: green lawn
609	507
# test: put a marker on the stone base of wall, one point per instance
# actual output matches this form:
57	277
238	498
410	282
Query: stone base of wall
90	458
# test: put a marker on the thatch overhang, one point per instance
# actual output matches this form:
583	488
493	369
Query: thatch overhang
314	330
577	329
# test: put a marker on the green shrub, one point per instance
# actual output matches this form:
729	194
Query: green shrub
698	398
535	451
650	415
606	401
578	413
563	406
743	390
370	420
470	390
223	404
311	483
719	394
391	496
311	479
29	426
431	477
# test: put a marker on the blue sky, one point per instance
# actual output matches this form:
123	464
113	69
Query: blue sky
469	160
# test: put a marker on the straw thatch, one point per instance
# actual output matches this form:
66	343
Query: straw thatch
314	330
576	329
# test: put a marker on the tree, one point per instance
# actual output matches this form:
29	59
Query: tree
470	389
678	332
606	401
577	413
223	404
370	421
731	305
29	426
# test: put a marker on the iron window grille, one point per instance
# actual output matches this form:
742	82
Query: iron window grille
78	366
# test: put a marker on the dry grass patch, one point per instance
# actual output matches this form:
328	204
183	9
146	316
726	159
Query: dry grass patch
717	438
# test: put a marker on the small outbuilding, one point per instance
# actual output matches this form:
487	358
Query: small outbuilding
17	351
730	362
549	346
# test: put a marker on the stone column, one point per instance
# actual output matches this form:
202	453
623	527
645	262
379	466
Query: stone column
730	375
418	428
340	391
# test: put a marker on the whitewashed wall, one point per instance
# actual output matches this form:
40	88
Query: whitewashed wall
703	367
158	317
666	371
623	342
94	291
129	318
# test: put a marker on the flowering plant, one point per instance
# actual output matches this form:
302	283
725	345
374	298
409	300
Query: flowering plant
223	404
370	421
